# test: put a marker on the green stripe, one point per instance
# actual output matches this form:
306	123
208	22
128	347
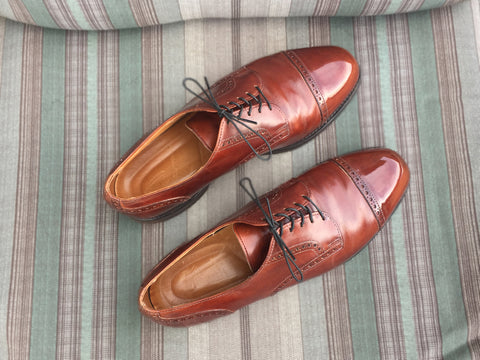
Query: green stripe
468	60
430	4
45	286
357	270
392	8
347	124
175	340
90	197
10	87
302	8
78	15
350	8
451	309
396	221
120	14
39	13
129	231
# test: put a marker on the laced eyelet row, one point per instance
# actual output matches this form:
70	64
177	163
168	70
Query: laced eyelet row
227	113
299	214
276	227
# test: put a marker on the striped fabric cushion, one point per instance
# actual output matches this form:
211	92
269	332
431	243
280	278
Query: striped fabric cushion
121	14
71	102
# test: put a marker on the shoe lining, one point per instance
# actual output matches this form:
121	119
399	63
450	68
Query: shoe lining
169	159
214	265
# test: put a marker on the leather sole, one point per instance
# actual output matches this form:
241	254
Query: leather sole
177	209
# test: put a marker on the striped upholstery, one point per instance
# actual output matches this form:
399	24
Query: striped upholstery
121	14
71	102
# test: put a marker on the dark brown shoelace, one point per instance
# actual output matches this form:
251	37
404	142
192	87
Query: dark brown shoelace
236	120
276	227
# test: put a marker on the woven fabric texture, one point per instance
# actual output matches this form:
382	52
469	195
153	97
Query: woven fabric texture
71	102
121	14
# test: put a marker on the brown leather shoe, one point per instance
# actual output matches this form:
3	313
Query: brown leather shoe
270	105
302	229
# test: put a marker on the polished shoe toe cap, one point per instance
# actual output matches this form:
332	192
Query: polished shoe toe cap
334	70
382	176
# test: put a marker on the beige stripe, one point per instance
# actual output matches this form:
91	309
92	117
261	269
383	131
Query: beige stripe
337	316
410	5
23	256
459	172
61	14
152	234
20	11
73	216
96	14
105	284
382	261
476	24
424	299
190	9
373	7
143	12
2	37
272	8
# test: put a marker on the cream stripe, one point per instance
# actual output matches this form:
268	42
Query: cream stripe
195	58
152	234
475	4
10	94
6	10
190	9
414	212
462	193
73	216
21	283
382	261
104	287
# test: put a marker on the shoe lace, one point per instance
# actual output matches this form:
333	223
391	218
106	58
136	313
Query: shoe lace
276	227
224	112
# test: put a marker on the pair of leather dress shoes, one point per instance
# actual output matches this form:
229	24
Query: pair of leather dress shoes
302	229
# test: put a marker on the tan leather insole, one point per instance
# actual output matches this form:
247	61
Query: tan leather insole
170	158
214	265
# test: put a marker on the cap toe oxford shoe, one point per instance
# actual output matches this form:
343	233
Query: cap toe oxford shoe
270	105
300	230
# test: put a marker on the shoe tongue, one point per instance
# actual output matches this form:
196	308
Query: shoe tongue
255	242
205	127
